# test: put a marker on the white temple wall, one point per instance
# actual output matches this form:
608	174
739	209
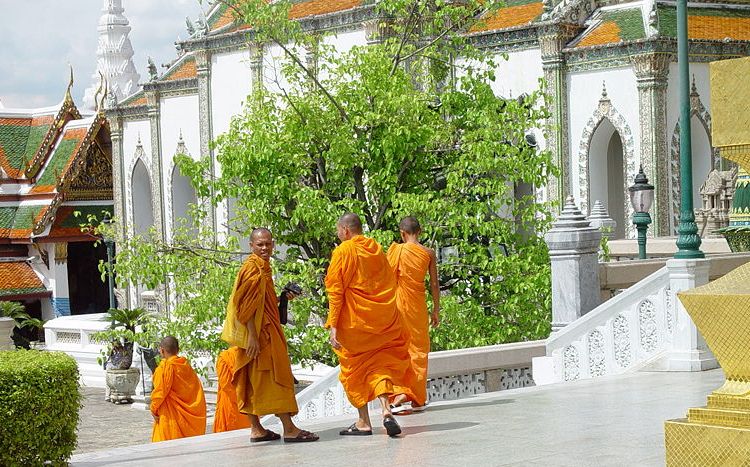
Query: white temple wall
131	132
518	74
343	43
584	95
231	83
176	120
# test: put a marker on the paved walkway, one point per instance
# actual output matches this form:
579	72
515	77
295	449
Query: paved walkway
617	421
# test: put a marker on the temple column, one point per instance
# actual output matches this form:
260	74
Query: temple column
119	193
652	71
203	67
552	40
152	98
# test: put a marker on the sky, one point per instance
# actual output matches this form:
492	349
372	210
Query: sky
38	38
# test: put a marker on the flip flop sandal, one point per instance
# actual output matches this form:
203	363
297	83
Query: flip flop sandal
354	431
303	437
269	436
391	426
398	409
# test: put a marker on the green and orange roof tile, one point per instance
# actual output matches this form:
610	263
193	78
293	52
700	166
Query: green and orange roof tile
18	278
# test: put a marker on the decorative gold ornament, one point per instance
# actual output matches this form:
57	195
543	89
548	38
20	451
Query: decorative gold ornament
718	434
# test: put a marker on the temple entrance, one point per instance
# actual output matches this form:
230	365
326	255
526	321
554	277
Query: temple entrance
606	174
88	293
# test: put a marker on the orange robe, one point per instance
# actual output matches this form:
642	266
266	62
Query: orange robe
178	400
374	354
410	262
228	416
265	385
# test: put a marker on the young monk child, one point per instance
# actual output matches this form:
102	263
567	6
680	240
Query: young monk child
411	262
177	402
228	416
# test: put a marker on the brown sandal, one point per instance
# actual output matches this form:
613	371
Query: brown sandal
304	436
269	436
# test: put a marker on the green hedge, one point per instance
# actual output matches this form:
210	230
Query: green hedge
39	403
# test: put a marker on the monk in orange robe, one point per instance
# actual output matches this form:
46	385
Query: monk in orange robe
411	261
228	416
262	373
177	401
365	328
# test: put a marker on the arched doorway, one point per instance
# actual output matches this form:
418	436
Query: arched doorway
143	207
702	157
606	174
183	196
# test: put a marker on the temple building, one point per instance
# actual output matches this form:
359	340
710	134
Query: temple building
610	68
55	171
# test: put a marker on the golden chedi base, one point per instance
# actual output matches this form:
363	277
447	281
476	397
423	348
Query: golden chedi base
718	434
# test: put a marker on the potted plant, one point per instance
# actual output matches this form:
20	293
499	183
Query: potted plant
125	329
13	316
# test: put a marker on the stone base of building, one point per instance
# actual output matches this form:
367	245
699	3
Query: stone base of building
695	443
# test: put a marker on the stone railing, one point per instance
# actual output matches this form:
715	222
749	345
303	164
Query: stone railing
620	275
453	374
662	247
634	329
72	335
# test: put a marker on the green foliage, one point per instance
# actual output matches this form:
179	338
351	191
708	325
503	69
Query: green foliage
395	128
604	251
39	404
126	327
17	311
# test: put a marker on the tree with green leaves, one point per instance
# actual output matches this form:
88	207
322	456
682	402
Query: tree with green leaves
408	125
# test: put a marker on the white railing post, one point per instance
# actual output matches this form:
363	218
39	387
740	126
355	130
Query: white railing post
689	351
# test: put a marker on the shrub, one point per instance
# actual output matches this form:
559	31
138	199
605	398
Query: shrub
39	404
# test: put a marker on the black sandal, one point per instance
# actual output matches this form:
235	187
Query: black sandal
269	436
304	436
354	431
391	426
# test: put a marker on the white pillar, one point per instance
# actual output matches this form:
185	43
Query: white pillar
689	351
574	256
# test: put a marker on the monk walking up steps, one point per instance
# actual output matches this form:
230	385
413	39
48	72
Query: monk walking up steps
177	401
411	261
365	327
228	416
262	374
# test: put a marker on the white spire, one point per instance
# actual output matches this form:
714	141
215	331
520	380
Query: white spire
114	55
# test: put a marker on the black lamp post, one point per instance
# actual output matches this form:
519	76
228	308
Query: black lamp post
109	242
641	198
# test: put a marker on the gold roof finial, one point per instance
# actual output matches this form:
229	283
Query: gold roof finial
68	95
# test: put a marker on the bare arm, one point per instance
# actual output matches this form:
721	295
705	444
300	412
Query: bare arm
434	290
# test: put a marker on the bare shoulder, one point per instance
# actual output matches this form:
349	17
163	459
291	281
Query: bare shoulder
429	251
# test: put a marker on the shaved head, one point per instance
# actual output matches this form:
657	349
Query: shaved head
170	345
260	232
410	225
261	242
352	222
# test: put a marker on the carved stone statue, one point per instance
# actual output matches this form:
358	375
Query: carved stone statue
152	69
716	195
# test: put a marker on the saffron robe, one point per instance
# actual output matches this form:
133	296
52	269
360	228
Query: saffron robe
178	401
264	385
228	416
410	263
374	354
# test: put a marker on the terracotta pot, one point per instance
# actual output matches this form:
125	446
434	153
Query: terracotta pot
6	329
122	384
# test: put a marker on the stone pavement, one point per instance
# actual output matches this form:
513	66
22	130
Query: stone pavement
104	425
612	421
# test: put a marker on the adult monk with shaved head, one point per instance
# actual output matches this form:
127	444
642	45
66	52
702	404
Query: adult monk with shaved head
365	327
411	261
262	374
178	404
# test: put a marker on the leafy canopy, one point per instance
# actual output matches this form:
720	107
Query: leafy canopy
407	125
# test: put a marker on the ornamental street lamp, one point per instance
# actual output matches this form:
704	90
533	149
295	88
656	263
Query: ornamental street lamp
641	198
688	240
109	242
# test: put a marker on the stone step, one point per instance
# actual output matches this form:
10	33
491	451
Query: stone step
720	417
